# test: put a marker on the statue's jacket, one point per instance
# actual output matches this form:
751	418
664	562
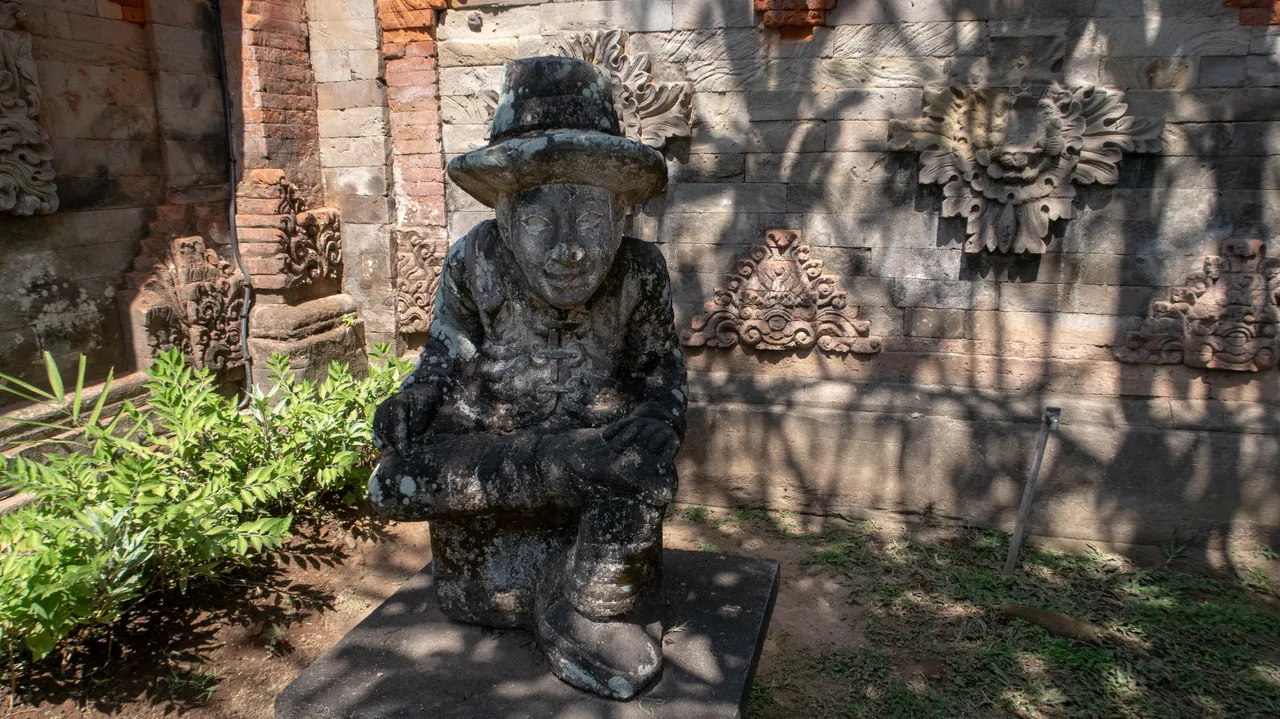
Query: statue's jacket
513	371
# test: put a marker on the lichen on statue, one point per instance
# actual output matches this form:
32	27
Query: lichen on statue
539	430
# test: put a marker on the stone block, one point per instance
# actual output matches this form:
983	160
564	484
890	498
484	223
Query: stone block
353	151
765	105
365	64
699	14
1178	36
361	209
310	354
342	9
894	226
858	136
355	93
629	15
469	81
331	65
1221	72
495	22
945	294
921	322
405	658
889	11
1255	138
371	181
460	53
349	34
910	39
1177	73
916	263
1261	70
462	138
744	136
728	197
368	121
709	168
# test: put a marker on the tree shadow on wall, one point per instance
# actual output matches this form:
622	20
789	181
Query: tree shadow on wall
943	422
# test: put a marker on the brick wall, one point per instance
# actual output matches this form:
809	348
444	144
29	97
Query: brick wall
795	134
134	119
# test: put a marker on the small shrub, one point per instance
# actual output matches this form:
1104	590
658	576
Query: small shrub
181	489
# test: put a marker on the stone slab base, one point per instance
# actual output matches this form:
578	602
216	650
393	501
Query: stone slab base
407	661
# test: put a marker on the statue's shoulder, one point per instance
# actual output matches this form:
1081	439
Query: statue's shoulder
641	254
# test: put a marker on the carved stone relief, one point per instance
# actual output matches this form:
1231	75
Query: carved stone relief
189	299
650	111
1009	159
311	240
1223	316
794	13
26	160
781	299
418	263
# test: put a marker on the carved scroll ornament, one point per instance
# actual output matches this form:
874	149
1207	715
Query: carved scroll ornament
419	261
26	160
781	299
650	111
311	240
1009	159
1223	316
191	300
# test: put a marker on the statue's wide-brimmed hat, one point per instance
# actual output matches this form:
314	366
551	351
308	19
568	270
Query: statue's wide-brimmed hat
556	125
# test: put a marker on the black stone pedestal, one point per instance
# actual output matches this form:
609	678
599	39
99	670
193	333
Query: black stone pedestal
407	661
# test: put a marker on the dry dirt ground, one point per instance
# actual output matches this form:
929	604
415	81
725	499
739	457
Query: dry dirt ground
849	636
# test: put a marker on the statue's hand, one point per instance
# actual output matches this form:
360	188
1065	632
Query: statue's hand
404	415
651	435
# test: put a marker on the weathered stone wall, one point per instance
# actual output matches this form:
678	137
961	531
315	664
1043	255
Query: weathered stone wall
134	119
796	134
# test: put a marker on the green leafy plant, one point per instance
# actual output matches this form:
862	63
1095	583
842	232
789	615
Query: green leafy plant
179	489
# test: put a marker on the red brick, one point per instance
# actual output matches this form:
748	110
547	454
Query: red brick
410	147
413	98
411	131
249	206
419	117
423	163
1260	16
421	48
393	50
407	36
422	189
404	79
411	173
275	55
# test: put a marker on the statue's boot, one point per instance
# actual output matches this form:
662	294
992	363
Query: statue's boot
615	659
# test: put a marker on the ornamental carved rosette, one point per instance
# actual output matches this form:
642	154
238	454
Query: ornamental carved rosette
26	160
1223	316
650	111
1009	159
781	299
189	299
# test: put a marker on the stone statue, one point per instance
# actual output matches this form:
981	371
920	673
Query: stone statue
539	430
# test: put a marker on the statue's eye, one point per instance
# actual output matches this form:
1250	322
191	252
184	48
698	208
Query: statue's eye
536	224
590	221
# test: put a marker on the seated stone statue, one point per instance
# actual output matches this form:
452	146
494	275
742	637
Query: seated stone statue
539	429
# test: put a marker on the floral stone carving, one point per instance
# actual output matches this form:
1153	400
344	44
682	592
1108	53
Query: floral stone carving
780	299
1009	159
1223	316
191	300
650	111
26	160
310	239
418	265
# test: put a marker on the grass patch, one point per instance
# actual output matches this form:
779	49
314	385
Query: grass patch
1172	645
694	514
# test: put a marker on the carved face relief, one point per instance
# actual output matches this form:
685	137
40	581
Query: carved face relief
564	238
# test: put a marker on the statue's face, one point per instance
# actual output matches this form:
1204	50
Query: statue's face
564	238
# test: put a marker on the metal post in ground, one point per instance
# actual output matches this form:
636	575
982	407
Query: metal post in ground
1048	423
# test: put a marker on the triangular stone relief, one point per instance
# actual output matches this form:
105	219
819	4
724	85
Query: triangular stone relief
781	299
186	297
1223	316
1009	158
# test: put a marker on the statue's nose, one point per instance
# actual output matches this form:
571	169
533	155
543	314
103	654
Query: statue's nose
568	254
